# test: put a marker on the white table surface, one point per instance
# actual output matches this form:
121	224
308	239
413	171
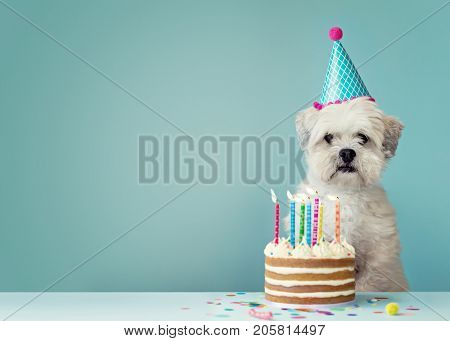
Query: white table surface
215	306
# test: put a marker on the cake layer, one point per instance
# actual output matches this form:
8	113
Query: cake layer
338	275
311	300
311	262
311	288
292	270
309	294
289	283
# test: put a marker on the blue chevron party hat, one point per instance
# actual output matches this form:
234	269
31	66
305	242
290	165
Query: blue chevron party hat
342	80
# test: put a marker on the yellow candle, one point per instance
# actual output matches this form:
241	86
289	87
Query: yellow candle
320	222
337	230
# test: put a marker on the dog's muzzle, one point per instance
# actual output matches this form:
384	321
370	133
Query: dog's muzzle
346	169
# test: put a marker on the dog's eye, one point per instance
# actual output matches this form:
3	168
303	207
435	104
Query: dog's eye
364	139
328	138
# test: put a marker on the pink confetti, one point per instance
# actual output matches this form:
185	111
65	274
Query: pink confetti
267	315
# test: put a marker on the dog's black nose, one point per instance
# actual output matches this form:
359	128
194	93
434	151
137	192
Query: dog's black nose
347	155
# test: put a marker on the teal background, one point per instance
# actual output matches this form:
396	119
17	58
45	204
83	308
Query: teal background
68	137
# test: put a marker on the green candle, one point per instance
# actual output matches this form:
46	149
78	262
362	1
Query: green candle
302	221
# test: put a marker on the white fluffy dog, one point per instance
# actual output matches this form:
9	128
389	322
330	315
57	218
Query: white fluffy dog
346	147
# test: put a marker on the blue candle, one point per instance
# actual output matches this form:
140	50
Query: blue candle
293	224
292	200
308	223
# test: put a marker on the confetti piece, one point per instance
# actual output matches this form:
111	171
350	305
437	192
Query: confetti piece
228	309
209	302
240	293
267	315
298	317
250	304
352	314
230	295
222	315
404	314
305	310
376	299
378	312
324	312
412	308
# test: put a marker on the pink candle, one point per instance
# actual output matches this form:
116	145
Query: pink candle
277	217
277	222
337	230
315	220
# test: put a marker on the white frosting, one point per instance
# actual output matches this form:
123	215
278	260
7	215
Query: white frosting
291	270
302	251
338	249
270	248
349	248
343	249
323	249
309	294
290	283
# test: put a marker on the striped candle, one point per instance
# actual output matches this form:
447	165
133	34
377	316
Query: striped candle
320	222
277	222
277	217
337	230
308	222
292	239
302	222
315	221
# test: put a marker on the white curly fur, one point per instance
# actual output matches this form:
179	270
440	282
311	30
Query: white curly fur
368	219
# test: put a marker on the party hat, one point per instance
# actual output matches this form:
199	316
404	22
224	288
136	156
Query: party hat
342	80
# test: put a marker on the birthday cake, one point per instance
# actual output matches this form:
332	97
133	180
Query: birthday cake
309	270
321	274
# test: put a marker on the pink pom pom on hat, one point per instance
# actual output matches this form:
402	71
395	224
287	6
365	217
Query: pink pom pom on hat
335	33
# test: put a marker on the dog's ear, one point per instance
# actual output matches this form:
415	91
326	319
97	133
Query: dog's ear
304	124
392	131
